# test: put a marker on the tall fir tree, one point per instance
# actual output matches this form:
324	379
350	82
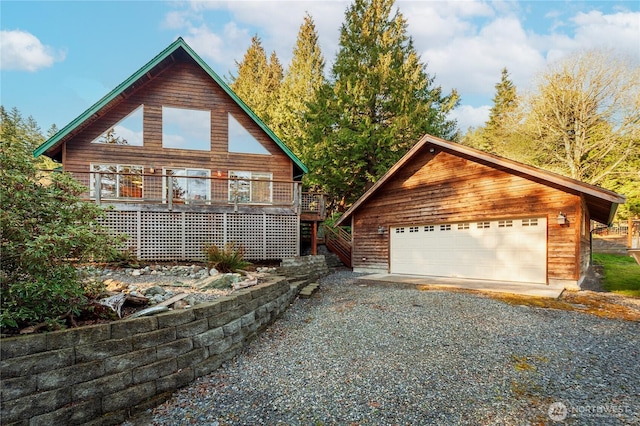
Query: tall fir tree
302	80
258	80
381	102
497	128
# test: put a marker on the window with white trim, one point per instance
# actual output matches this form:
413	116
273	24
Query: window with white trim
187	185
414	229
116	180
445	227
483	225
399	230
429	228
462	226
250	187
529	222
505	224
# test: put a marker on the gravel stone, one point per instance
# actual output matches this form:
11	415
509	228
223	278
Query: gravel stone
368	354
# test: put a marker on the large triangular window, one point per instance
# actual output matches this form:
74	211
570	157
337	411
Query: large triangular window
241	141
127	131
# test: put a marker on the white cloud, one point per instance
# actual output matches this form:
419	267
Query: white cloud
620	31
469	116
20	50
472	63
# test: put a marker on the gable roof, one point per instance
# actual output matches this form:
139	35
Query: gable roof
602	203
144	74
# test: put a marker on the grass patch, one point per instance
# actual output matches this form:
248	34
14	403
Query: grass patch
621	273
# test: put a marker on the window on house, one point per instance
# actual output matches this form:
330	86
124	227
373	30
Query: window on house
414	229
241	141
483	225
250	187
445	227
462	226
116	181
429	228
505	224
188	185
127	131
529	222
186	129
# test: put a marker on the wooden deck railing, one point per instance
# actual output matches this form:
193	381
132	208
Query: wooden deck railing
339	242
109	187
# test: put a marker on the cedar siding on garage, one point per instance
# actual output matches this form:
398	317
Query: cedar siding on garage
440	182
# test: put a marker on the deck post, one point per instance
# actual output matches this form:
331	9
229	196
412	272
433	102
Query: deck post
98	187
170	191
314	238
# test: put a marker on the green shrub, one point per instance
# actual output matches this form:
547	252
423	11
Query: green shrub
229	258
45	228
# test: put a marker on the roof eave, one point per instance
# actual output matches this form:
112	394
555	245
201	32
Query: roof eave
543	175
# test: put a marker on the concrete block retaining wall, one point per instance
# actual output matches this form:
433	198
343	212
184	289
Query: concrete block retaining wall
102	374
312	267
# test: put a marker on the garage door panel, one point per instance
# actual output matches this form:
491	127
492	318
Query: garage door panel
513	250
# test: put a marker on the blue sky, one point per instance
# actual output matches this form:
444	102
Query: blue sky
57	58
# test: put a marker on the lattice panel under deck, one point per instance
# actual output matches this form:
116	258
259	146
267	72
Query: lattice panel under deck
248	231
282	237
162	236
123	223
165	235
202	230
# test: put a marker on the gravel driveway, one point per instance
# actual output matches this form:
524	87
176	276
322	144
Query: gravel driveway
366	354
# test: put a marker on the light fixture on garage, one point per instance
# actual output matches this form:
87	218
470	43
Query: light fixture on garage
380	230
562	219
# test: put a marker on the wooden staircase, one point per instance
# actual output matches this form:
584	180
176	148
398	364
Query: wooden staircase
338	241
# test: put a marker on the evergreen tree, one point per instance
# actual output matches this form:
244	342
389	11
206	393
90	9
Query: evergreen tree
382	101
258	80
497	129
302	80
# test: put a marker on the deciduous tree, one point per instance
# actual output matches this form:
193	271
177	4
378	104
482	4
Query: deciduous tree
584	118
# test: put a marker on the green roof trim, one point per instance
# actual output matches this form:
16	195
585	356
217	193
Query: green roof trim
179	43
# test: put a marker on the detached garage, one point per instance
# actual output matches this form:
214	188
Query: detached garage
447	210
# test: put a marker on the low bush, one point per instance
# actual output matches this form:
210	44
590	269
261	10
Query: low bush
229	258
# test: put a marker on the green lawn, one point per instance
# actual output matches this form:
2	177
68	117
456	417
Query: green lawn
621	273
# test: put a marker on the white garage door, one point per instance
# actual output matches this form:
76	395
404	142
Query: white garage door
503	250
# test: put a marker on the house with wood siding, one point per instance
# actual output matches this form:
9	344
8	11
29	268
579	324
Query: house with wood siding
452	211
184	163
